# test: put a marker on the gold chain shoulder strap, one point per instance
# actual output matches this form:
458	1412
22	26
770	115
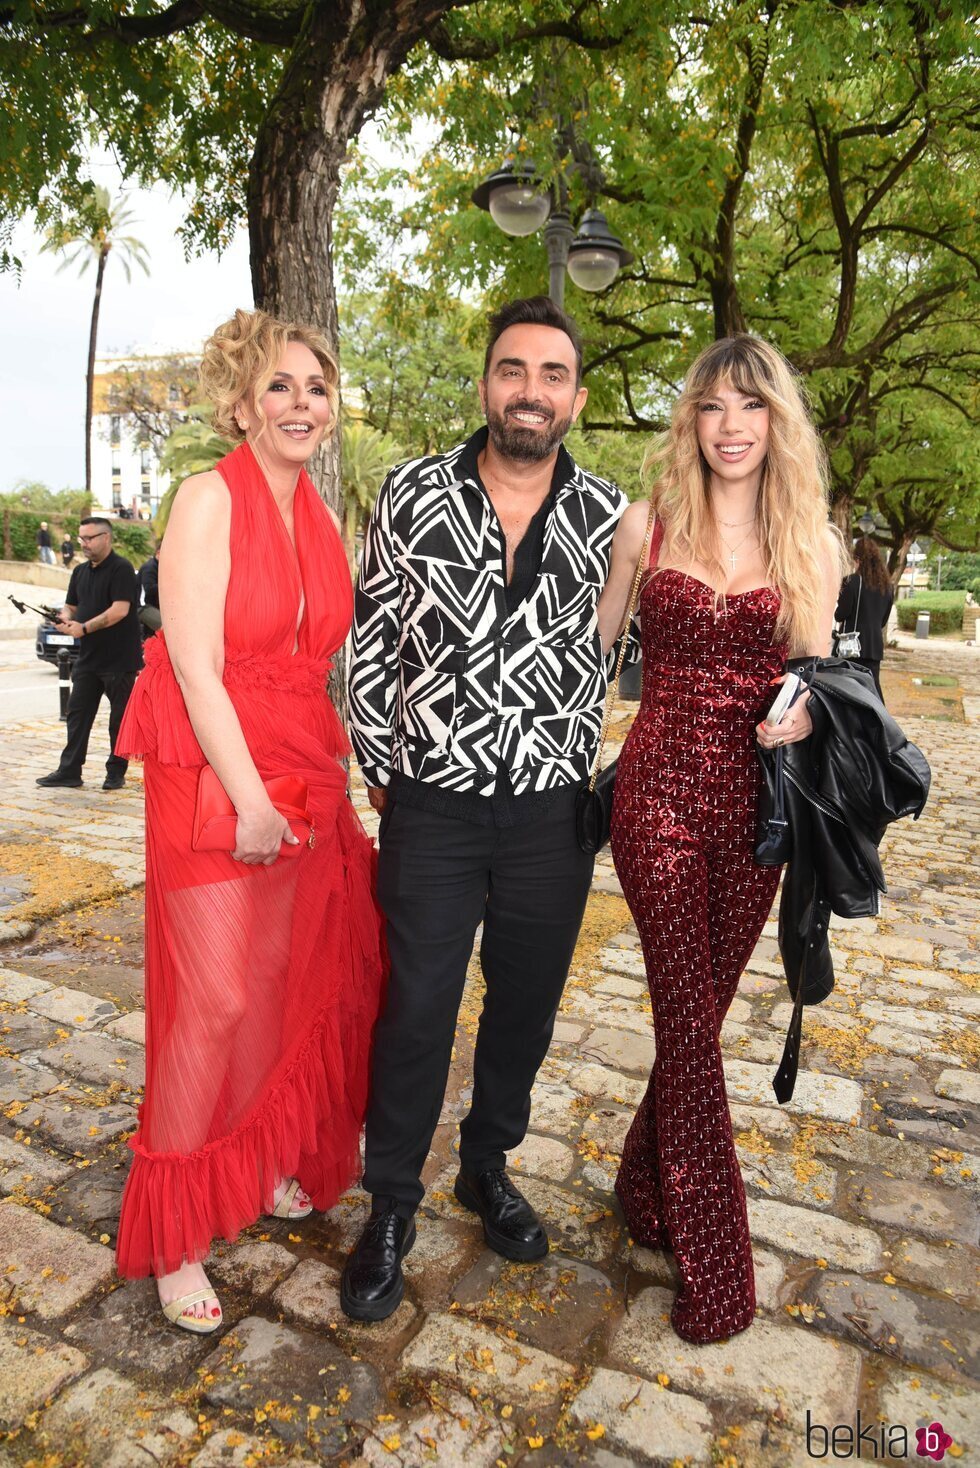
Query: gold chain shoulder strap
613	688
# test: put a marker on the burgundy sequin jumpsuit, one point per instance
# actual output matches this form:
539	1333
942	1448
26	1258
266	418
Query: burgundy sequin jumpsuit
683	831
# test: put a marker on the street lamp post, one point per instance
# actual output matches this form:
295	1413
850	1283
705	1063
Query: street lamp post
518	203
558	236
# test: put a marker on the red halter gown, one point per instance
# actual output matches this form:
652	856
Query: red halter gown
262	983
683	828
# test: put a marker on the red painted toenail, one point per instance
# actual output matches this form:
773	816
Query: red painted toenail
216	1311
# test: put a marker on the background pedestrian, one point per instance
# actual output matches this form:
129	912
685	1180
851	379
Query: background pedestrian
45	550
148	578
865	604
100	613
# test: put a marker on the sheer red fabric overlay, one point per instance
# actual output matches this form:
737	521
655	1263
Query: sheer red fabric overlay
262	983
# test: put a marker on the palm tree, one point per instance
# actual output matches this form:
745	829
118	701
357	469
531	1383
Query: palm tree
191	448
92	237
366	455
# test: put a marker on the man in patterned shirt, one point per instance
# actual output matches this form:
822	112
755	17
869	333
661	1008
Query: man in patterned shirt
476	690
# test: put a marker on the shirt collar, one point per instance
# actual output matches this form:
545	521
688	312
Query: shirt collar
565	477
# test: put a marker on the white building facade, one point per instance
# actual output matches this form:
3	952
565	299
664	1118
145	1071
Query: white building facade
136	402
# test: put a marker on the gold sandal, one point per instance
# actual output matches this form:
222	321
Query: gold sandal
283	1208
197	1325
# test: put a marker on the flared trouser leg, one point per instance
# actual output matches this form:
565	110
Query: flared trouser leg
699	910
638	1180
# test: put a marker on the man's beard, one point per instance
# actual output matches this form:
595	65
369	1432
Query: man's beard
526	445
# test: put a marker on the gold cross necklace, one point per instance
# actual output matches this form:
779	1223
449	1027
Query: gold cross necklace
732	556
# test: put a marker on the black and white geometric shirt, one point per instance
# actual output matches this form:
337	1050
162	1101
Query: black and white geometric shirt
445	685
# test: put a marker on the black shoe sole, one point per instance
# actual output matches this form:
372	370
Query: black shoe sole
384	1305
60	784
500	1243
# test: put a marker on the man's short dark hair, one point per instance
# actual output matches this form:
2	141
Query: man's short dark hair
99	520
533	311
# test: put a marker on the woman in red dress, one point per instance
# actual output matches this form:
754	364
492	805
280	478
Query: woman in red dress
263	963
746	571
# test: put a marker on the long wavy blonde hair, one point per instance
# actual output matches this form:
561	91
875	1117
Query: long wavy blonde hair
793	506
241	358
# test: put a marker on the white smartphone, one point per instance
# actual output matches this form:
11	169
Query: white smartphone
789	688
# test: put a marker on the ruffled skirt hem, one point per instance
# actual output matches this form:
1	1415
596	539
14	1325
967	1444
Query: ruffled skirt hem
308	1126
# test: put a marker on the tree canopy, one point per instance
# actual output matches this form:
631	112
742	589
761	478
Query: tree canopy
413	377
807	171
247	104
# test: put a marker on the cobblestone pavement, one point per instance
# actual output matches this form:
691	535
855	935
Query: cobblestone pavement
862	1194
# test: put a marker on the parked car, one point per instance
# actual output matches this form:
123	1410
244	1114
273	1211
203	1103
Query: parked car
49	642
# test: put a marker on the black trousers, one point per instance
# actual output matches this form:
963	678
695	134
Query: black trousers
438	879
87	688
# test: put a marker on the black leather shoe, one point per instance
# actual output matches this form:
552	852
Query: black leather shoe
113	782
67	782
372	1285
510	1224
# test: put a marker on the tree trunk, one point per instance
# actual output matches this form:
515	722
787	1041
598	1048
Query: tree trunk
897	557
729	319
90	374
334	78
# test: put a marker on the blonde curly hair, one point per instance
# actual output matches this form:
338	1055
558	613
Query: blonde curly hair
793	508
240	360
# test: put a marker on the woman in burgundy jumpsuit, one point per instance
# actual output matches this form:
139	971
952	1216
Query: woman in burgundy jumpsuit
747	571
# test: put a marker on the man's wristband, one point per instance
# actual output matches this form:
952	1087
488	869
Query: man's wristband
84	628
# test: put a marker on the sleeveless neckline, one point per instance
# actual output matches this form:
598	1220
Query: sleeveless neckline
728	595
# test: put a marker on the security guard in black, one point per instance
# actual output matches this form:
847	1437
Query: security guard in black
101	614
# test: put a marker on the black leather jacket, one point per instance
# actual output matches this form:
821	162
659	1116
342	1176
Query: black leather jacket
843	786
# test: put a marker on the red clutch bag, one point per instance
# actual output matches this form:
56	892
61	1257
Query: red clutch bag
216	820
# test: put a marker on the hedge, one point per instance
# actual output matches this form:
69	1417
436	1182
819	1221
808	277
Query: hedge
945	610
131	538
